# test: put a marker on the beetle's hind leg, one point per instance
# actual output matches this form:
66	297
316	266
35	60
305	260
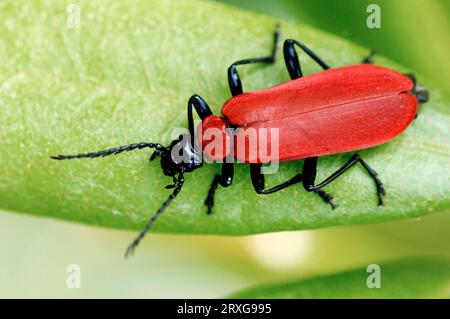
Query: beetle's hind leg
234	79
309	175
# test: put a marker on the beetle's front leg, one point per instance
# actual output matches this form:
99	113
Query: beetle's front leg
202	109
225	179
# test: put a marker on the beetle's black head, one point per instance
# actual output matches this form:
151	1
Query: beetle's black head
179	157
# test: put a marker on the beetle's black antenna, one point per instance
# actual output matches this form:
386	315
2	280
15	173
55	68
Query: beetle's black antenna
177	187
114	150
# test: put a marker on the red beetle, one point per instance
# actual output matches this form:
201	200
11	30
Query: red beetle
335	111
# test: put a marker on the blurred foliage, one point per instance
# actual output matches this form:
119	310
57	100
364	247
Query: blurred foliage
409	278
415	33
36	252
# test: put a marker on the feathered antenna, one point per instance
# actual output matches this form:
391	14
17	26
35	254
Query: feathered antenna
115	150
178	183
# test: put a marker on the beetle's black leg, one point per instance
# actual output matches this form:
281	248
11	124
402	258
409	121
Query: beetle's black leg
225	179
309	175
259	182
295	71
311	164
292	61
369	58
328	198
234	80
202	109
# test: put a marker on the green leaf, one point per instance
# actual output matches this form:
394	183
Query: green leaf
125	76
408	278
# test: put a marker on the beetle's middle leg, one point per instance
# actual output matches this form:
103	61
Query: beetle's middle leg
310	164
258	181
309	175
295	71
293	62
225	179
234	81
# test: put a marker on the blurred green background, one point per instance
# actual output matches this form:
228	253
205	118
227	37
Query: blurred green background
36	251
414	33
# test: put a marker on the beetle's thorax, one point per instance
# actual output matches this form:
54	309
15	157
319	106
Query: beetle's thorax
214	138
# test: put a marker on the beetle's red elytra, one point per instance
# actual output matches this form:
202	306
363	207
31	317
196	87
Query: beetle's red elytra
338	110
